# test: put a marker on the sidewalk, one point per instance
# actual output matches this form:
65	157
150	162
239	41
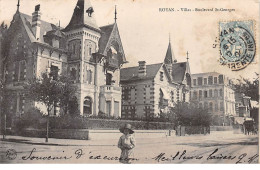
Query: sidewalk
215	135
58	142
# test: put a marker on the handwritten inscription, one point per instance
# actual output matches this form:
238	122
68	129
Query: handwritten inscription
212	156
32	156
184	155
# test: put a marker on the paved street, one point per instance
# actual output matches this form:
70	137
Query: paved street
218	147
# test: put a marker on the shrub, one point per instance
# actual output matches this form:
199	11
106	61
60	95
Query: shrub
33	118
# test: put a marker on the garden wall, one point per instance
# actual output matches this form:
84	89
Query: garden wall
90	134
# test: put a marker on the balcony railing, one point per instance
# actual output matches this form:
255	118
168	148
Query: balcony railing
110	88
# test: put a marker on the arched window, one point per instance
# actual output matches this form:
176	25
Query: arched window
87	106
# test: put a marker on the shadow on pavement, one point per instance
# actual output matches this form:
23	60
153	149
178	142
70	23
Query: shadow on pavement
253	141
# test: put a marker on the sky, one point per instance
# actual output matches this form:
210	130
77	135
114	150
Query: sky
144	31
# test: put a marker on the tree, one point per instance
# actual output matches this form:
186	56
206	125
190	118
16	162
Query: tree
1	103
188	114
53	91
45	90
248	87
68	101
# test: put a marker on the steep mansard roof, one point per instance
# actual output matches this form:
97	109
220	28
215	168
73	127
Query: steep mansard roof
81	17
45	27
51	29
106	33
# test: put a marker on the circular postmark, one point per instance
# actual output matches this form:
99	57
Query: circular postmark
237	45
11	154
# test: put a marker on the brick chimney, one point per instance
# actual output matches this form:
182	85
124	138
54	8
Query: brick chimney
36	22
142	69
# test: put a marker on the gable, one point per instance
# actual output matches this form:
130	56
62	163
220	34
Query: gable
18	42
111	38
166	77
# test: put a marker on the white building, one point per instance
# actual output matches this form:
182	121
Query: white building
214	92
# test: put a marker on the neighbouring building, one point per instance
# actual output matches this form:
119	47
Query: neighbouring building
214	91
91	55
150	90
243	105
3	30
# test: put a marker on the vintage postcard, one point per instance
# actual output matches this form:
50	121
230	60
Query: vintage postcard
129	82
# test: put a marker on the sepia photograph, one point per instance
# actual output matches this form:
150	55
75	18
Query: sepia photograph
129	82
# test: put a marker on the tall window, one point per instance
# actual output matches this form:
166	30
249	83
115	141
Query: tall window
210	93
210	79
194	82
89	76
220	92
220	79
108	79
90	51
215	80
161	75
195	93
133	112
87	107
19	103
147	111
108	108
133	94
199	81
221	106
205	94
75	49
19	71
205	81
215	93
54	72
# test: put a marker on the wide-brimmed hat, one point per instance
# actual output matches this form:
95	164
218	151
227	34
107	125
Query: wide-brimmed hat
127	126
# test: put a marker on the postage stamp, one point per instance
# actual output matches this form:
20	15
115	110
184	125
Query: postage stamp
237	44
